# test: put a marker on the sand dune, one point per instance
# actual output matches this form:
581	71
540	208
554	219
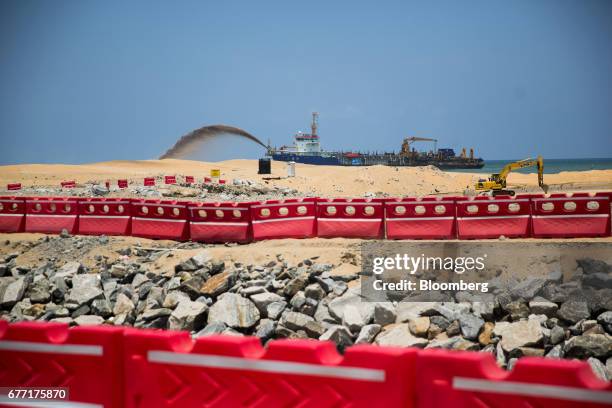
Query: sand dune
312	180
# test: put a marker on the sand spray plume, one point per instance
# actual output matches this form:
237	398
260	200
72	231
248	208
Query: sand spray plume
187	144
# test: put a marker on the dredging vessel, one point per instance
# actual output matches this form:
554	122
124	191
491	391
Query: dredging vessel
307	149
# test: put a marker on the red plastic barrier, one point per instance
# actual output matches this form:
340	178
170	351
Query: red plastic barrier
68	184
492	217
159	219
51	215
13	186
12	214
291	218
468	379
571	216
221	181
108	216
86	360
167	369
122	183
350	218
219	222
189	179
149	181
170	179
608	195
207	179
427	218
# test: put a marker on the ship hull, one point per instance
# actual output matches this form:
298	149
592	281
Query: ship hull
308	159
332	159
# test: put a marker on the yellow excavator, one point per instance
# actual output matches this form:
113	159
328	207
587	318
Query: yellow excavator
496	184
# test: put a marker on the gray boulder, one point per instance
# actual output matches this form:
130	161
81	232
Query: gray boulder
368	333
173	298
399	335
265	329
235	311
102	307
69	269
85	288
351	297
88	320
39	291
598	368
295	285
470	325
212	329
524	333
384	313
339	335
540	305
123	305
588	345
218	284
528	288
295	321
605	319
188	315
264	299
590	266
275	309
573	311
322	314
12	291
355	317
557	335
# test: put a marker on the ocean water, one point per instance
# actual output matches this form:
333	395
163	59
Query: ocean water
551	166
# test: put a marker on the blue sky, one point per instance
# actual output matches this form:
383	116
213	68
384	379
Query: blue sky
86	81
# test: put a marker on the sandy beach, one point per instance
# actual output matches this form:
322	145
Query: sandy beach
325	181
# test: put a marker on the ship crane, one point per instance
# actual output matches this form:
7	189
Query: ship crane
409	140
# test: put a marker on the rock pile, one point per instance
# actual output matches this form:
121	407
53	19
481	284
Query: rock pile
537	317
237	190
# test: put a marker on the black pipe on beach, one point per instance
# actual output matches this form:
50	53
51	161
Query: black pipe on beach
187	144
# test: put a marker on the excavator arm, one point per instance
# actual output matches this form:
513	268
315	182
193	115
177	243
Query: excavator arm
497	182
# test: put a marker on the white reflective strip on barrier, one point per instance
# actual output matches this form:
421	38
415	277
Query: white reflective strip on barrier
12	215
219	208
532	390
284	219
421	219
32	347
279	367
45	403
518	200
572	216
51	215
153	205
104	216
103	202
568	198
282	204
346	203
157	219
420	202
351	219
50	202
219	223
12	201
495	217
